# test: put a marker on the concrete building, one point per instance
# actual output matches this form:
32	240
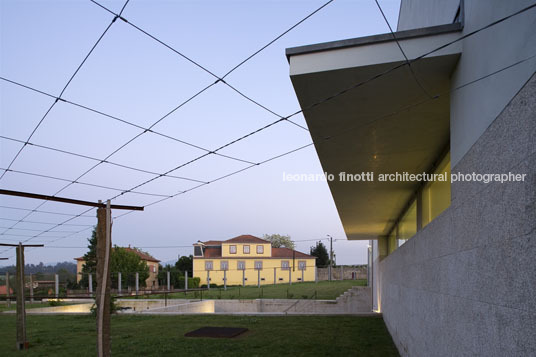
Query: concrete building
452	260
248	260
152	263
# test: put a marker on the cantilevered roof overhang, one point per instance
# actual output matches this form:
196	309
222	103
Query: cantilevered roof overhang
391	123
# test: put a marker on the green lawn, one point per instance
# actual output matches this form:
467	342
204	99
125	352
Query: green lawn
62	335
323	290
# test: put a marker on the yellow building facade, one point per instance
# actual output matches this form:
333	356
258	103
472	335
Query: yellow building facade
249	260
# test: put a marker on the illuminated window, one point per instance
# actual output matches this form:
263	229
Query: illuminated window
232	249
260	249
285	265
208	265
246	249
408	224
436	194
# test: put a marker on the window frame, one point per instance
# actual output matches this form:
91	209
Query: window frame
231	248
302	264
241	262
224	265
258	264
287	267
209	265
260	249
244	249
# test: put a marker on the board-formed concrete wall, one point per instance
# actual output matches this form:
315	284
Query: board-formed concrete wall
466	283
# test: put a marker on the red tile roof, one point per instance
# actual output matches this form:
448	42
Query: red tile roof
246	238
212	242
289	253
142	255
3	290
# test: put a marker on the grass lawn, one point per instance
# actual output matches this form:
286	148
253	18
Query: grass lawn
323	290
61	335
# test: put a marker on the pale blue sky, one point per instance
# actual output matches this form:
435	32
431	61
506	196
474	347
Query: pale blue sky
133	77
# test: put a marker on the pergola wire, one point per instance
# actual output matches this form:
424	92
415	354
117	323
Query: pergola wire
342	93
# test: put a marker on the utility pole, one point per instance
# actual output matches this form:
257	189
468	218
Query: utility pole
22	344
104	238
330	255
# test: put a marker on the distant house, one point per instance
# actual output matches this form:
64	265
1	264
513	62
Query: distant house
250	260
3	290
152	263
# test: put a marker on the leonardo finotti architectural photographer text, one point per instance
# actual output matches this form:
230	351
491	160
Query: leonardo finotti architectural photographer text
406	177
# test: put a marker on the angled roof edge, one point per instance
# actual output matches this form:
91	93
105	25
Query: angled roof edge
374	39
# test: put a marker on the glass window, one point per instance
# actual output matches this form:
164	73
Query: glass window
302	264
436	194
224	265
258	265
208	265
198	252
260	249
246	249
285	265
407	227
232	249
391	241
241	265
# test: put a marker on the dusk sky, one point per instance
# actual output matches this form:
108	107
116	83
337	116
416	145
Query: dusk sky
132	77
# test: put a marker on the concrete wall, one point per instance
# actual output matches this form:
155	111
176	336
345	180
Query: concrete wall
354	301
465	284
323	273
424	13
474	107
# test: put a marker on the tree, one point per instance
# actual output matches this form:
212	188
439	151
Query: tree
121	260
90	258
279	241
321	253
128	264
174	276
185	263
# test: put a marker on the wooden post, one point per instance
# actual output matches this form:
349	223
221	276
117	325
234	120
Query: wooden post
186	280
168	281
225	280
342	272
258	278
31	288
7	290
275	274
244	276
302	275
22	344
208	279
137	282
90	283
316	275
103	298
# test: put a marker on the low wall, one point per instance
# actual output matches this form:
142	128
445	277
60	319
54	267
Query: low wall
356	300
347	273
64	309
